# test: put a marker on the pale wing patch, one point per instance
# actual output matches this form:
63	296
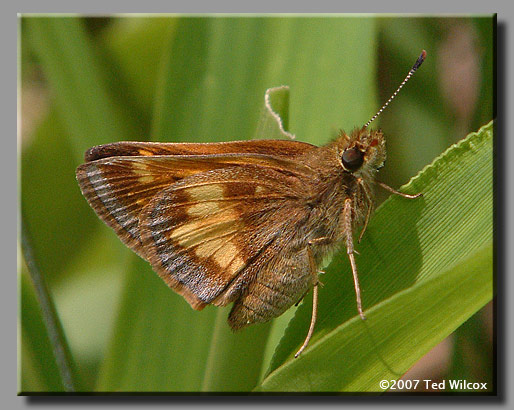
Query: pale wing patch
204	192
224	253
145	179
226	257
192	233
145	175
204	200
139	167
145	152
203	209
208	248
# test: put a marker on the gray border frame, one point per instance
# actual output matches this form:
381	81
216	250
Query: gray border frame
504	150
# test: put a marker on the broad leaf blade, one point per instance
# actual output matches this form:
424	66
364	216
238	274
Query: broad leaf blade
411	247
355	357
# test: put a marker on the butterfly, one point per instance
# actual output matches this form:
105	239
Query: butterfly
243	222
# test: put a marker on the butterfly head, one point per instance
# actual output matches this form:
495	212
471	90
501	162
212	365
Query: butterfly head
364	150
361	151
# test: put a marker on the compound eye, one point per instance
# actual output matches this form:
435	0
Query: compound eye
352	159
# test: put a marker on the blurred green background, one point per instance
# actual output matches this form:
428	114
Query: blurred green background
89	81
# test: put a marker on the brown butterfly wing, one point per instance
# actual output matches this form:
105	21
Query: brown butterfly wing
118	188
280	278
210	235
276	148
119	179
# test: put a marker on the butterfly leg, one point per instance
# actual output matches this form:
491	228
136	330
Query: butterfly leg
370	207
320	283
394	191
314	316
347	215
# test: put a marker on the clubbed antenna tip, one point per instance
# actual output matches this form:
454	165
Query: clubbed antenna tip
416	65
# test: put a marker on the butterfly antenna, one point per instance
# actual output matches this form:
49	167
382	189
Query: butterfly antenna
416	65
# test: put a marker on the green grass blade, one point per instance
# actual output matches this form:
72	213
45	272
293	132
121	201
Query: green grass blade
53	325
235	359
81	112
38	368
357	356
176	350
159	343
425	266
75	74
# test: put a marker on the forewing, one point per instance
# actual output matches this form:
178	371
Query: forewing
118	187
208	234
276	148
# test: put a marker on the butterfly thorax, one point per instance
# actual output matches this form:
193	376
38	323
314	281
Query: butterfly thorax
336	181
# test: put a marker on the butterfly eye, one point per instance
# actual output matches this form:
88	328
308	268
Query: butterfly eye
352	159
